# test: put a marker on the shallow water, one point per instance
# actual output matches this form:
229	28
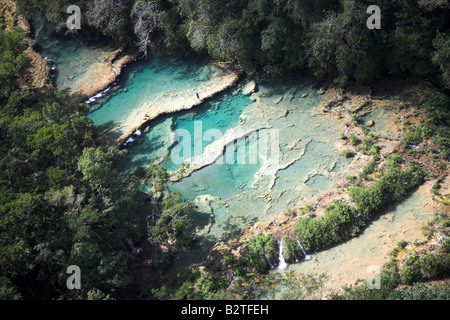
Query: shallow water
241	194
146	81
73	55
384	121
361	256
238	194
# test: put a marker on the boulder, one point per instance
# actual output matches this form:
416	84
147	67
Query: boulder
249	88
370	123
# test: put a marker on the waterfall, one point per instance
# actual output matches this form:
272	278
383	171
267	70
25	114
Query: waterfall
282	264
268	260
307	256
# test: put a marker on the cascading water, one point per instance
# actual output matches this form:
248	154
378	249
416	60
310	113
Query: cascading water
268	260
282	265
307	256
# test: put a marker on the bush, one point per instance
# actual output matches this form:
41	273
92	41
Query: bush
255	256
338	221
354	140
393	161
418	291
291	250
348	153
402	244
434	266
367	147
390	277
411	272
311	233
209	284
393	186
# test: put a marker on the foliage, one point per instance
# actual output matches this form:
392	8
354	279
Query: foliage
393	186
260	253
11	59
291	250
348	153
328	37
61	200
342	221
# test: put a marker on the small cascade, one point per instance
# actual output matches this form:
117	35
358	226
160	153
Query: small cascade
307	256
268	260
282	265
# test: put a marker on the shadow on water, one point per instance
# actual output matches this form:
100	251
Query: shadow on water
104	129
231	229
183	67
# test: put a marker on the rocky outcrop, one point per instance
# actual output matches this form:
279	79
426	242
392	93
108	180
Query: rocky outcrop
250	88
104	72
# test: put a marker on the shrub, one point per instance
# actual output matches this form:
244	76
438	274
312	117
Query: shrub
354	140
434	266
348	153
311	233
338	221
390	276
291	250
369	168
394	185
367	147
208	284
255	256
411	272
418	291
402	244
393	161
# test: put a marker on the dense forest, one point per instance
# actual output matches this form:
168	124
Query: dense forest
329	37
63	203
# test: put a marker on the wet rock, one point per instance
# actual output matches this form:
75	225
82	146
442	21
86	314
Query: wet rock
277	101
256	97
320	91
250	88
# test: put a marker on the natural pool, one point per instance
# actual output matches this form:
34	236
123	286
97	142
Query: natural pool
73	56
231	197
